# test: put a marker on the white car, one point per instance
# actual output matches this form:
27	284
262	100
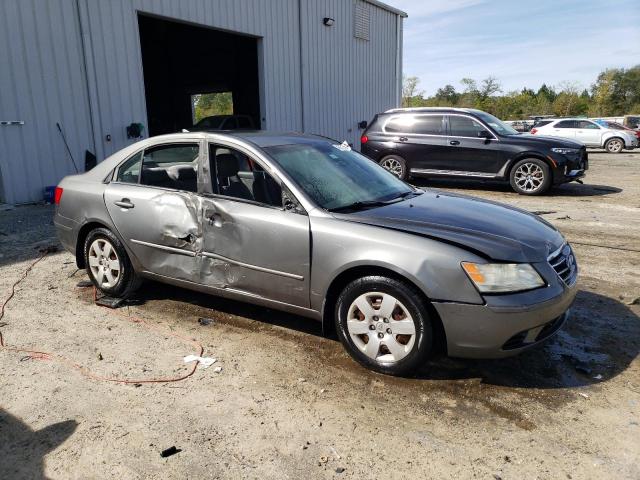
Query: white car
589	133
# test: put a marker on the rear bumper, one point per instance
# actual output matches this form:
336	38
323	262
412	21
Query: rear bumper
67	231
485	331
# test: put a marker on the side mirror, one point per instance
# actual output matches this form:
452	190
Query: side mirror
486	134
362	125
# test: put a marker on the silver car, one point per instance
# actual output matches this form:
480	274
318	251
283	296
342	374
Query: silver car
306	225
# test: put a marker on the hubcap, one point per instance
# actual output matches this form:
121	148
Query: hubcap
393	165
381	327
615	146
529	177
104	263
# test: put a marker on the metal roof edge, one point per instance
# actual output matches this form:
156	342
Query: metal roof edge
389	8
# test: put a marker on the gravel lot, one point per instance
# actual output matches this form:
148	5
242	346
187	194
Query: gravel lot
289	403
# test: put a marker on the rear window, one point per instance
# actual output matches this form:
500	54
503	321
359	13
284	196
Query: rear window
542	123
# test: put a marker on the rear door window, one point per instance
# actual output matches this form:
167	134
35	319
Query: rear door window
129	171
566	124
465	126
171	166
428	125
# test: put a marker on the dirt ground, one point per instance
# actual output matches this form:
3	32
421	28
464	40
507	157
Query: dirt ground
290	403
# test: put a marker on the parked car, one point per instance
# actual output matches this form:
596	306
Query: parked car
303	224
468	143
617	126
224	122
589	133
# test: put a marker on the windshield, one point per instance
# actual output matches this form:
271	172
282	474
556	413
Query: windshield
498	125
336	178
211	122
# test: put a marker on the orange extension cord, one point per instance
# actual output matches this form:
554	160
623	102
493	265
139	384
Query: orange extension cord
38	355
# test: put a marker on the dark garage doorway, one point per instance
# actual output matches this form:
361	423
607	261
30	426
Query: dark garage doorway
181	60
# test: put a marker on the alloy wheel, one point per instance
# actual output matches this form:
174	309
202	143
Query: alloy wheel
614	146
529	177
104	263
381	327
393	165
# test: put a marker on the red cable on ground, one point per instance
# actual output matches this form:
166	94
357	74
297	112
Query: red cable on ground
38	355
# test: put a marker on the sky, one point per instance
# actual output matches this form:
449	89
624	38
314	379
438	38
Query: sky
523	43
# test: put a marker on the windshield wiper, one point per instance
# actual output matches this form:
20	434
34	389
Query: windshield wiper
360	205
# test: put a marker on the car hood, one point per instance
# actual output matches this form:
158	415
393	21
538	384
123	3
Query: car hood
548	141
496	231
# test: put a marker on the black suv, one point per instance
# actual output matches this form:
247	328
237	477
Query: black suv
468	143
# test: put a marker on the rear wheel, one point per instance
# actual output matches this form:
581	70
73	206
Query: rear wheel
530	177
384	325
396	165
108	264
614	145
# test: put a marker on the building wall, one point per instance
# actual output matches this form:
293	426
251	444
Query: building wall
41	83
78	62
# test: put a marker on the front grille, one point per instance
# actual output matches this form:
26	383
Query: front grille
564	263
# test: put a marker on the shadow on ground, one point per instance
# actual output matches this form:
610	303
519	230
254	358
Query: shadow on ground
22	449
566	190
600	340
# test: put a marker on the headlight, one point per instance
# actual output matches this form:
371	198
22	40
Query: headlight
503	277
565	151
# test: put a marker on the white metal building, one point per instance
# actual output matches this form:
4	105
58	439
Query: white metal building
93	67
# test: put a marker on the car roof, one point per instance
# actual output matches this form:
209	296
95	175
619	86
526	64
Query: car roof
260	138
434	109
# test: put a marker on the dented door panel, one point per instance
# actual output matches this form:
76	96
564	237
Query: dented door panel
256	249
161	227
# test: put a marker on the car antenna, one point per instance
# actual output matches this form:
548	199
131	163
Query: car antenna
67	145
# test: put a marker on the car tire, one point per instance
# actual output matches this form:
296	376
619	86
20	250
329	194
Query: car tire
614	145
362	317
396	165
108	264
530	176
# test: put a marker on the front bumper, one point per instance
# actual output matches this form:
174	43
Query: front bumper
501	330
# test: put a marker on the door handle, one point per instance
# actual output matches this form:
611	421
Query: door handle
124	203
454	142
403	139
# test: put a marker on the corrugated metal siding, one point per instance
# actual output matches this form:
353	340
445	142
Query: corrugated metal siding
346	79
113	28
43	80
41	83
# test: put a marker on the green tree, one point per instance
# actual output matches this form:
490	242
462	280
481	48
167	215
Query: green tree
208	104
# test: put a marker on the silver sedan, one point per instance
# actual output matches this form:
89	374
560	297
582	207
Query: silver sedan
307	225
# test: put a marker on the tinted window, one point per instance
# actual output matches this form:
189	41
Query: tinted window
465	126
542	123
129	171
565	124
587	125
428	125
400	124
236	175
171	166
230	124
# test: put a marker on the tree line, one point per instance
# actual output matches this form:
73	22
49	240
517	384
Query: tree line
616	91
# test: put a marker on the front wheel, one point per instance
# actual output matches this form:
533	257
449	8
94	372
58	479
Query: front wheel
396	165
530	177
108	264
614	145
384	325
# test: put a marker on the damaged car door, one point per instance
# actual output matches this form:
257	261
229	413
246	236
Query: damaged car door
154	205
256	235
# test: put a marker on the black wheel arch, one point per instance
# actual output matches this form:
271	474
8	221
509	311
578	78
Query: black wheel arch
353	273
